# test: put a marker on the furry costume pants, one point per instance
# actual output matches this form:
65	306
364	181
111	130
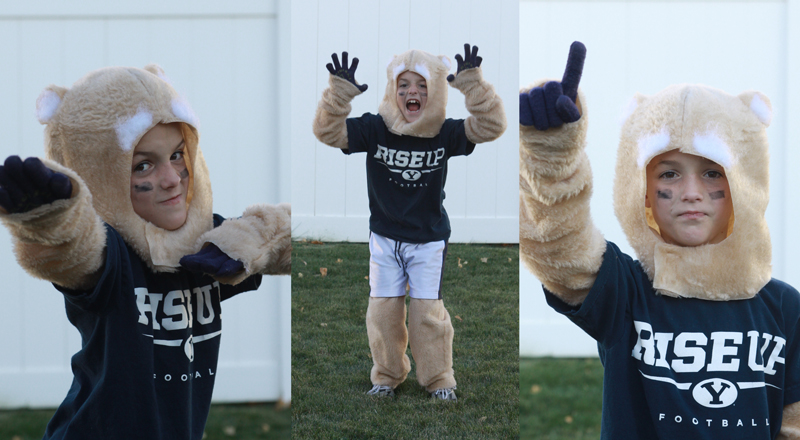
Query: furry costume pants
430	334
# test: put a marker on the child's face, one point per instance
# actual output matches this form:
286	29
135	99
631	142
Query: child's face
412	95
159	177
690	198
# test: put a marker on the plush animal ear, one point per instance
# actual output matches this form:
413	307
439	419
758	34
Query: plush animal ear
631	107
445	61
48	102
759	104
156	70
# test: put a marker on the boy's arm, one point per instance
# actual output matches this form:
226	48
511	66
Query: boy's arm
790	426
329	122
488	117
48	210
558	241
258	242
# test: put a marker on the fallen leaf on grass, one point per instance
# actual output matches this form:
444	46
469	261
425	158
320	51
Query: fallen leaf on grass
484	260
229	430
459	318
301	309
509	259
323	271
265	427
323	324
369	355
338	260
536	389
482	419
568	419
16	437
299	274
366	277
316	242
281	405
306	264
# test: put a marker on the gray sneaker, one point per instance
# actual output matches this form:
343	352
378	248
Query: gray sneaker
381	391
444	394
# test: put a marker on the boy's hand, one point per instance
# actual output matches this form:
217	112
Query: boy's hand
553	104
213	261
27	185
471	60
342	71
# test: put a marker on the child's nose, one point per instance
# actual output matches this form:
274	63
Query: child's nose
170	177
692	190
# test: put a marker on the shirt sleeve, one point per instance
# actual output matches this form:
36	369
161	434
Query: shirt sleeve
361	133
602	313
455	136
114	276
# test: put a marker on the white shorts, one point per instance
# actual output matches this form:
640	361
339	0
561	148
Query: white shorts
392	264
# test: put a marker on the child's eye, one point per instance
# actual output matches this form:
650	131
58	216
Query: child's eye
178	155
141	167
713	174
423	86
668	175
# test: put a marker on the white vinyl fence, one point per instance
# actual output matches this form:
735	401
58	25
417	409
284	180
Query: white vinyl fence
329	190
644	46
229	59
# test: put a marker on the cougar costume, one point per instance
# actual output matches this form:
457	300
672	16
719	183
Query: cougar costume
406	172
150	330
697	342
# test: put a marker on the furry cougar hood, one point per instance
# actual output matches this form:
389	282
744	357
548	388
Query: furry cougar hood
729	130
93	128
434	70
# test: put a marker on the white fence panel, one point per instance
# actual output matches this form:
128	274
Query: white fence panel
329	190
644	46
226	59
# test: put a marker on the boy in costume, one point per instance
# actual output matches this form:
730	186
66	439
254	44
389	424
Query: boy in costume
118	218
696	339
408	144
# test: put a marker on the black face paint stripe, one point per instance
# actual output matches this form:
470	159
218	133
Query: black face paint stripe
402	93
185	173
666	194
716	195
147	186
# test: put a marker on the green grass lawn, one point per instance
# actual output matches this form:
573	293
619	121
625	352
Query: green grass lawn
331	358
560	398
242	422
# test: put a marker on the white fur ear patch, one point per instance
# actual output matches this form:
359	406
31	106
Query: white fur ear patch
712	147
761	110
46	105
134	128
628	110
184	112
651	145
446	62
398	69
423	70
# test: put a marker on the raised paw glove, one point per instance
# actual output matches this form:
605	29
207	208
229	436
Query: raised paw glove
342	71
27	185
213	261
471	60
553	104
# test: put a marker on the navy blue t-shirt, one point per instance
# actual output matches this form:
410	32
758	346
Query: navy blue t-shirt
406	177
149	349
689	368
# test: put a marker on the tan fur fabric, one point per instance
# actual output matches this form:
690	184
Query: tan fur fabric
329	122
430	334
62	242
558	241
94	131
434	69
388	339
260	238
488	117
739	266
790	426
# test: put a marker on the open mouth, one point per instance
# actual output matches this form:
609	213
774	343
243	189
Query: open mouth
412	105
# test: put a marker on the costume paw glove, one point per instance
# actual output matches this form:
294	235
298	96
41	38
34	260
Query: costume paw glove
553	104
342	71
471	60
27	185
213	261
